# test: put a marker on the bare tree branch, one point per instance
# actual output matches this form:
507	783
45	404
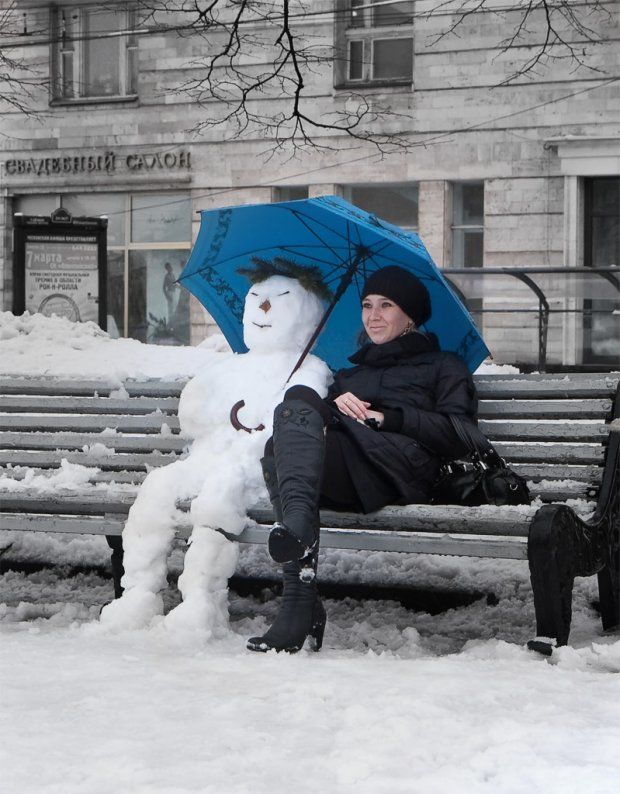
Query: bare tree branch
19	83
255	50
560	25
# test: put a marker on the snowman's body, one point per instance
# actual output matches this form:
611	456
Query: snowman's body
222	474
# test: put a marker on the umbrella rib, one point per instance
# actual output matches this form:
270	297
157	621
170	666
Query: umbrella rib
312	232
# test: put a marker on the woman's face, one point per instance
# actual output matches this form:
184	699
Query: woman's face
383	319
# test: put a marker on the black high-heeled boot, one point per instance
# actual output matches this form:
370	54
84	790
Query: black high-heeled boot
299	449
270	476
301	612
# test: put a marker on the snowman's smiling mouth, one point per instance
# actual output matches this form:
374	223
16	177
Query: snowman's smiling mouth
258	325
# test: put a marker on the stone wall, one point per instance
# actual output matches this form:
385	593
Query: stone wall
462	123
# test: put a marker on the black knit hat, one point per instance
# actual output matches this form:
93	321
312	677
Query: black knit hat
402	287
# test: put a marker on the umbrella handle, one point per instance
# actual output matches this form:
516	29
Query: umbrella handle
235	421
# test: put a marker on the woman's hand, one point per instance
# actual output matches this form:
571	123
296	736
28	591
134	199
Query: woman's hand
350	405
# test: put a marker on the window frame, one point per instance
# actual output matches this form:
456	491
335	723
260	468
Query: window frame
464	228
65	91
367	33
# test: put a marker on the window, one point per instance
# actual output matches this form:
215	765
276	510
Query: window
467	224
602	250
91	61
376	39
148	241
397	204
290	193
468	234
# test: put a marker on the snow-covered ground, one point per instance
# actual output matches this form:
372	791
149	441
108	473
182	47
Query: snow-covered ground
397	700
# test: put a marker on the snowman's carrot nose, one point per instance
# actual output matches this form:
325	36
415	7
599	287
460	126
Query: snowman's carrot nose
265	305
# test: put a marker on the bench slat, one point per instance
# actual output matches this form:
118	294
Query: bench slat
453	544
546	471
548	492
152	423
550	453
68	441
544	431
69	503
544	409
64	387
90	405
427	518
524	453
120	461
560	387
18	473
149	423
137	461
367	540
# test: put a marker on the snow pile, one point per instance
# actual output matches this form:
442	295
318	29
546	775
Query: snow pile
36	345
222	474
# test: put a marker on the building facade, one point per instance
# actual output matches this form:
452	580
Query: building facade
523	174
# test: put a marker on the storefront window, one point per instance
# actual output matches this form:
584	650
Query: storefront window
149	240
116	293
164	218
112	205
158	306
602	250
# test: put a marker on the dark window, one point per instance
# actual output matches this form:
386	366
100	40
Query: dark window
397	204
467	224
291	193
602	250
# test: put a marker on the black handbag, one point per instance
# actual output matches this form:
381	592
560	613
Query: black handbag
484	479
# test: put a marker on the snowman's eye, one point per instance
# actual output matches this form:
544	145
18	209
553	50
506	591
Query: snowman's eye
284	293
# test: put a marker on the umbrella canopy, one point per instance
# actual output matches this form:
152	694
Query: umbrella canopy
346	243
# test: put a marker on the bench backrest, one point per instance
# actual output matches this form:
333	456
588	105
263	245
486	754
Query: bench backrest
549	427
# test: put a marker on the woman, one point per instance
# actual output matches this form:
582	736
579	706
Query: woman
377	439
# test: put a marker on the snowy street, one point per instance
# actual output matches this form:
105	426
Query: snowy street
397	701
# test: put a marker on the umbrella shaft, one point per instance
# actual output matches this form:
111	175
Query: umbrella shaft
342	287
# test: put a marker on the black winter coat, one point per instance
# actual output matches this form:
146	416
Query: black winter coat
416	386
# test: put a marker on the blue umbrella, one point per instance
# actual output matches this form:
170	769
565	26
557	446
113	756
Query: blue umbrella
346	243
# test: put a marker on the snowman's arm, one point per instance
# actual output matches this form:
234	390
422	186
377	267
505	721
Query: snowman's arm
314	373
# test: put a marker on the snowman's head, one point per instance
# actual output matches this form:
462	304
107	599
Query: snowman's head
280	314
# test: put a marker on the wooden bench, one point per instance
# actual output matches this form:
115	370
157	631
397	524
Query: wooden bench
559	431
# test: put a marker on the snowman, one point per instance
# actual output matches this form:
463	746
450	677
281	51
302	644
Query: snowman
227	411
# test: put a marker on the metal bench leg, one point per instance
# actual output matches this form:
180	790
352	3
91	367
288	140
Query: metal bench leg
609	592
560	547
115	542
552	579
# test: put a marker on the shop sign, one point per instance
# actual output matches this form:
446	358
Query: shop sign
106	163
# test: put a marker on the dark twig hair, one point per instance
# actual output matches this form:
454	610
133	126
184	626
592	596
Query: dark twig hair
309	276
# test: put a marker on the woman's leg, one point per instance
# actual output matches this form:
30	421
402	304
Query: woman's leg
299	449
301	612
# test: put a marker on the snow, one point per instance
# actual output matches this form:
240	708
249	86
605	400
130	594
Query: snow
397	700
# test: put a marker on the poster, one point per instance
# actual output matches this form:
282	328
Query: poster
61	276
